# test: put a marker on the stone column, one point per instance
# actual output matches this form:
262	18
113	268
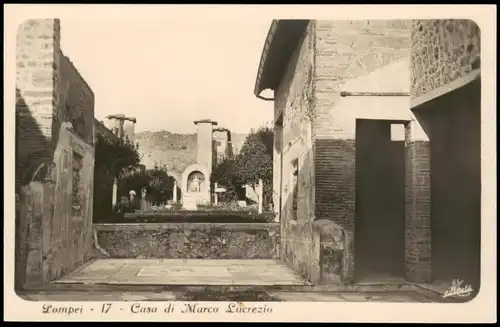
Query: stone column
129	130
117	127
115	192
144	203
216	195
174	197
260	192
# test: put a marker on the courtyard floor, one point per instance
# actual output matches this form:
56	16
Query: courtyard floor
184	272
204	280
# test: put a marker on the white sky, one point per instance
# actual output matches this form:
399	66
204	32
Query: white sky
168	73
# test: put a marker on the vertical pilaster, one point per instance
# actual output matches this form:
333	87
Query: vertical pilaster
418	204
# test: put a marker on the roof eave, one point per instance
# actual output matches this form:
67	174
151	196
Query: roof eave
263	57
281	42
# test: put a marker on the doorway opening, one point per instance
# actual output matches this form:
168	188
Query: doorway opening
455	138
380	200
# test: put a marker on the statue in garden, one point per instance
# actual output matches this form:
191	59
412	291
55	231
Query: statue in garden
143	193
195	184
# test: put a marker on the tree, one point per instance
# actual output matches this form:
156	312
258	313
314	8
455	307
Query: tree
226	174
113	158
254	162
158	184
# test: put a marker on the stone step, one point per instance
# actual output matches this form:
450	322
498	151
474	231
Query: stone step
230	294
393	288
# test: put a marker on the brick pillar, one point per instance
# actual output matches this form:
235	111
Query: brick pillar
205	148
119	128
129	130
37	60
418	202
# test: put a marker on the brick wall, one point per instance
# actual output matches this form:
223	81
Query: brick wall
344	51
418	203
55	110
36	59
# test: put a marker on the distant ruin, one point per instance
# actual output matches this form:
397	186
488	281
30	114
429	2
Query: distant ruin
195	183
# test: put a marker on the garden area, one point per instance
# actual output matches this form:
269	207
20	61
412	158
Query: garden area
118	160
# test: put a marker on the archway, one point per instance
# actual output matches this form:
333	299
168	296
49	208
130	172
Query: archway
195	187
196	182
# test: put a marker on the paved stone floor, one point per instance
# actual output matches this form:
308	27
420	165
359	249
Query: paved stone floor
202	280
184	272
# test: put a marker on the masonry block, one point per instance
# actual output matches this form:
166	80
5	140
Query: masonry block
333	255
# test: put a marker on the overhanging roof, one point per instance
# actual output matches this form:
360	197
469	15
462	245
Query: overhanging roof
281	41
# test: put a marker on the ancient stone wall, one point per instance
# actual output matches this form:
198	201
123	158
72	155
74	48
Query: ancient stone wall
55	135
297	175
75	100
101	129
68	235
442	50
190	240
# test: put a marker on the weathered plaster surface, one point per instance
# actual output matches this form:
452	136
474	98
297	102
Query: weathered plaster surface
293	100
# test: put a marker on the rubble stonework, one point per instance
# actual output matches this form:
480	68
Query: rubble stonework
446	98
442	51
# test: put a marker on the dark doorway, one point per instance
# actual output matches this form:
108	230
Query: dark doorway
380	200
455	126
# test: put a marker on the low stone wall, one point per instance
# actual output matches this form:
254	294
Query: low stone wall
190	240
